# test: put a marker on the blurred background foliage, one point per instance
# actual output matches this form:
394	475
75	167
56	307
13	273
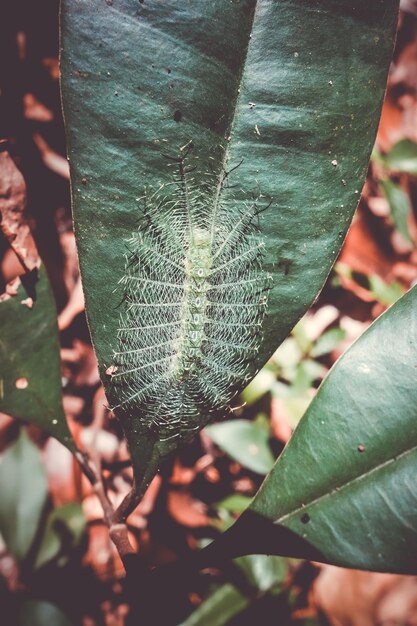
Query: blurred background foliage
57	565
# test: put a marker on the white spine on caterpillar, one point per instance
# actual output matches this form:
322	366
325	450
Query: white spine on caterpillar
194	299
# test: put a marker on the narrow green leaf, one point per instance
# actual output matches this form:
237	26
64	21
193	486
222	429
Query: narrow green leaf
402	157
23	489
40	613
264	573
283	95
345	484
218	608
245	442
400	208
30	371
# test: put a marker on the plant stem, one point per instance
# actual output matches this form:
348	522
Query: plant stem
115	521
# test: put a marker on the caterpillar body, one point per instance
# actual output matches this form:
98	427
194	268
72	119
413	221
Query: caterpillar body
194	299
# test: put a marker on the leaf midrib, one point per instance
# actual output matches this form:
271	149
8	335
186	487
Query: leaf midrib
340	488
236	97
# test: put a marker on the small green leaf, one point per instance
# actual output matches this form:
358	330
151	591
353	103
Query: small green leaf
288	356
236	503
307	371
218	608
260	385
402	157
264	572
245	442
64	530
345	484
23	489
40	613
386	293
301	336
383	292
30	370
400	207
327	342
295	406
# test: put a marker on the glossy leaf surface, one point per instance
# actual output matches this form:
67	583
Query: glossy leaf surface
345	484
289	92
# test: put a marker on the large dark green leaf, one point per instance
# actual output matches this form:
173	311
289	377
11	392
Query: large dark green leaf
344	490
288	91
30	371
23	488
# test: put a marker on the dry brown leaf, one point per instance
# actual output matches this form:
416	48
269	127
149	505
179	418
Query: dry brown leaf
35	110
71	267
280	423
53	161
138	519
187	511
355	598
361	252
64	477
83	368
74	306
13	220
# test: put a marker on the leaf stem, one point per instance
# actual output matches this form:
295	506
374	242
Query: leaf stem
115	520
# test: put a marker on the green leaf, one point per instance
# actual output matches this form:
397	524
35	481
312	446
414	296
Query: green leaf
383	292
285	94
264	572
402	157
327	342
345	485
245	442
289	356
23	488
400	208
305	374
386	293
40	613
218	608
30	370
235	503
258	387
64	530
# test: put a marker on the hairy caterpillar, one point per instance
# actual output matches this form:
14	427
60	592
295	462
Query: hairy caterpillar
194	299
